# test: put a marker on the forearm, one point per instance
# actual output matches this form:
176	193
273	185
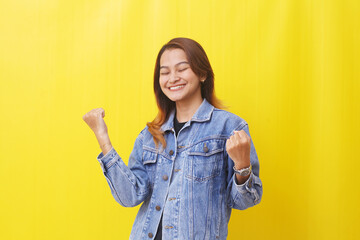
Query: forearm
247	194
104	142
129	184
129	188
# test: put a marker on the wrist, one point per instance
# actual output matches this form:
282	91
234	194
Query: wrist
106	148
101	134
239	166
104	142
244	172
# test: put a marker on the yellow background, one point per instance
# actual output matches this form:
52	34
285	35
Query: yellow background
289	68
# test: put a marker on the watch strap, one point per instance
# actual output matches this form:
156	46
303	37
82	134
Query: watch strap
244	171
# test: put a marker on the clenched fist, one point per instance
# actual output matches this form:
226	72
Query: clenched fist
238	149
95	120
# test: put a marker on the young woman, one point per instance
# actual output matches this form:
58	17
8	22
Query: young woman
192	164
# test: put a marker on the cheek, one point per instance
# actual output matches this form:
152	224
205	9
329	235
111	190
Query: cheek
192	78
194	83
162	83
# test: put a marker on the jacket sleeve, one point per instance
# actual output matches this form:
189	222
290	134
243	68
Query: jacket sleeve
249	193
129	185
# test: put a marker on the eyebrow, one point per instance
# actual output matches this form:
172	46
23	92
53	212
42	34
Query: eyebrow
175	64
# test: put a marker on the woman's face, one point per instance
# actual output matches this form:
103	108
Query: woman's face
177	80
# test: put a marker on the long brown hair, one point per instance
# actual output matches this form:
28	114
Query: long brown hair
200	65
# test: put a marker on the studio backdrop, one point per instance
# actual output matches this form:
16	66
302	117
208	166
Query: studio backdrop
290	68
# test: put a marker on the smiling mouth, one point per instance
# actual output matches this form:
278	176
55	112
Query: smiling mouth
177	87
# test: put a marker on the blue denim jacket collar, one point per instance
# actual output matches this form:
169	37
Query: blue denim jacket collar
202	114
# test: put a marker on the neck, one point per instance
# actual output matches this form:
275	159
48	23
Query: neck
185	110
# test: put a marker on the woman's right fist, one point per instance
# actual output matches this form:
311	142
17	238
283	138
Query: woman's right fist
95	120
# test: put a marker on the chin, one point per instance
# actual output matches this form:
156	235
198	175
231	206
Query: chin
174	98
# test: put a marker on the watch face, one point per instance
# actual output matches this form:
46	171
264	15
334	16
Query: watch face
245	172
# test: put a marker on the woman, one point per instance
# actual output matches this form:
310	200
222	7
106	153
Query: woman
192	164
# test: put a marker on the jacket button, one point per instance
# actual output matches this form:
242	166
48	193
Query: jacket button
158	208
171	152
165	177
206	149
150	235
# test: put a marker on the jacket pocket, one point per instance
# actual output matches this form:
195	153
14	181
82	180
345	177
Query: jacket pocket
149	159
205	160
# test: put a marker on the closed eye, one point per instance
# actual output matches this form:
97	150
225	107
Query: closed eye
181	70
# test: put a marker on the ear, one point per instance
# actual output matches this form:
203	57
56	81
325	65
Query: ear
203	79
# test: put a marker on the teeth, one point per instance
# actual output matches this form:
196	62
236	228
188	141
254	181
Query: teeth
177	87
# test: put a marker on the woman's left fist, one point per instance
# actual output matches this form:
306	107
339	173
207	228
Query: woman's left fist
238	148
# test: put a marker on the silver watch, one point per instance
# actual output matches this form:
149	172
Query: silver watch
243	171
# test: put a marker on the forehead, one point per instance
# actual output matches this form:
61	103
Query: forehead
172	56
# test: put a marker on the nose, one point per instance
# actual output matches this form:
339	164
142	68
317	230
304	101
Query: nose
173	77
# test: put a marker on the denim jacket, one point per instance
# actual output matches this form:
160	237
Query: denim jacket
191	182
